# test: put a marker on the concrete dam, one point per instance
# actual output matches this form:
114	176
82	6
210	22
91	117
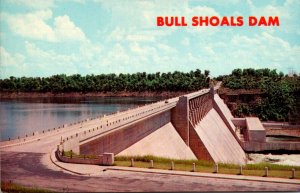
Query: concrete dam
198	125
194	126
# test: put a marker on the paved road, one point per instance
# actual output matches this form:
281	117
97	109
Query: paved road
28	169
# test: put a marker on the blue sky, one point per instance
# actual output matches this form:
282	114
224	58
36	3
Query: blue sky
43	38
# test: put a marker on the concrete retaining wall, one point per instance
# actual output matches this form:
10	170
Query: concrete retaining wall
291	146
270	146
253	146
284	132
239	122
271	125
72	143
95	161
122	138
105	159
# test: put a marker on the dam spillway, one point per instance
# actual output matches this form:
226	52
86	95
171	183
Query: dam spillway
192	126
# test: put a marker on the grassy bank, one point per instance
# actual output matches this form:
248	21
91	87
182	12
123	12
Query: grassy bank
74	155
11	187
258	169
281	171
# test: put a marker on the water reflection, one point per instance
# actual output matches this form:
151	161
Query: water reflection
25	116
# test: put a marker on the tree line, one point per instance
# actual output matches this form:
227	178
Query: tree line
250	78
136	82
280	93
279	102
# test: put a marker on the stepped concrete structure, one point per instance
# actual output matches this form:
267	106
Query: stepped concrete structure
193	126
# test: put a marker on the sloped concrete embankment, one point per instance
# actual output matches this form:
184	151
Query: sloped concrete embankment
213	137
122	138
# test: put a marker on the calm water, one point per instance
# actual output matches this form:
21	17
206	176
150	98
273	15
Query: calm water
24	116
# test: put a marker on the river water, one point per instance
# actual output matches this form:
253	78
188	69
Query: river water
22	116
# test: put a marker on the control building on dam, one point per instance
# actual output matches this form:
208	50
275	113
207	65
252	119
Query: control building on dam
198	125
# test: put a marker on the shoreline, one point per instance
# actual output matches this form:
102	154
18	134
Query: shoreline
13	95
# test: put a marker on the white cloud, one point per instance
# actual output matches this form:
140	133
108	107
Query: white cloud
137	57
142	14
10	62
7	59
141	51
220	2
132	42
208	50
34	26
133	34
140	37
288	14
202	10
114	60
165	49
118	34
31	25
263	51
89	51
78	1
65	29
48	57
269	10
221	54
46	63
138	23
